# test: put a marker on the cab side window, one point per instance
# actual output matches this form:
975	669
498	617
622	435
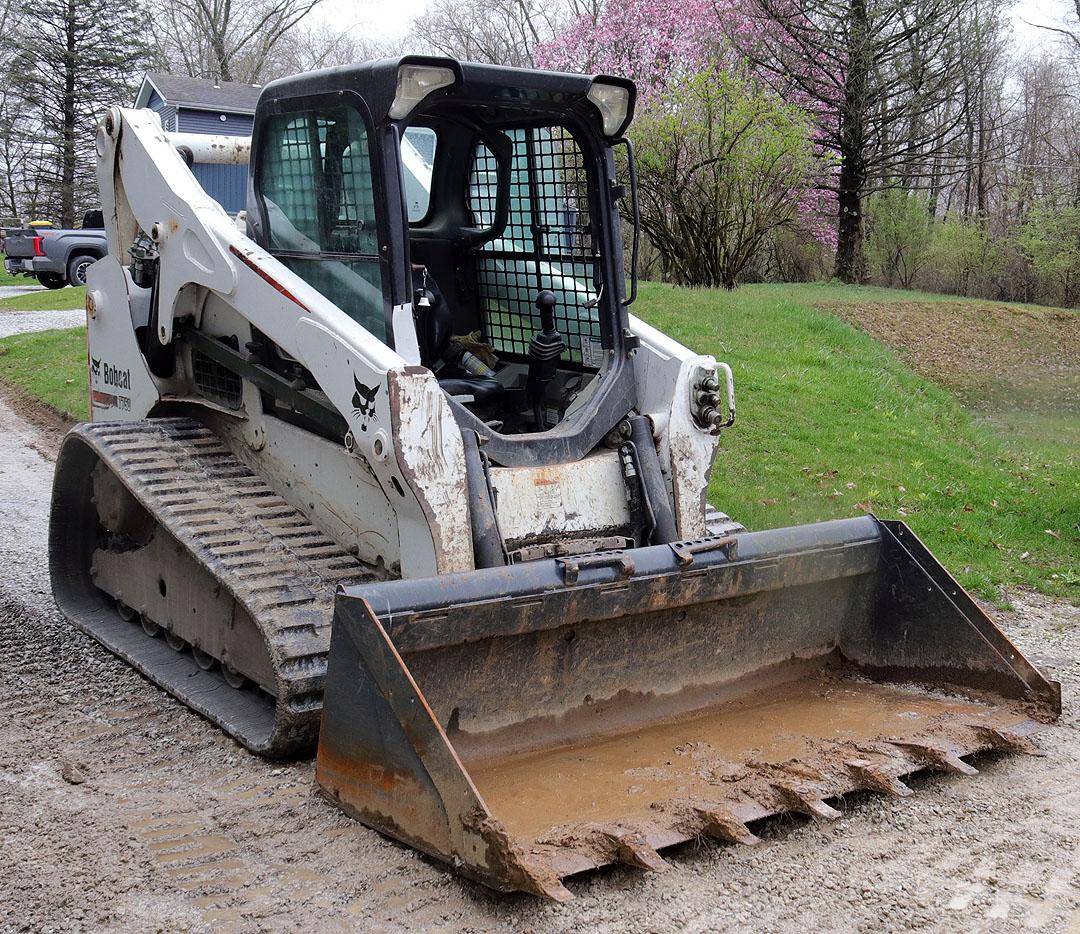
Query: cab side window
316	186
418	144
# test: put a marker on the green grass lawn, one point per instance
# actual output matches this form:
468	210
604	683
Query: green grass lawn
49	366
832	423
6	278
46	300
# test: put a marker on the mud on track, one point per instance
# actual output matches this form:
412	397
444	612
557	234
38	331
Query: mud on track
163	823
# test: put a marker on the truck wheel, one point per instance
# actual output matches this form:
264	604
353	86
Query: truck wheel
51	280
77	267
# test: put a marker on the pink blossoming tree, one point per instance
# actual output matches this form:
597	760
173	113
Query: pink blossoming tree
696	153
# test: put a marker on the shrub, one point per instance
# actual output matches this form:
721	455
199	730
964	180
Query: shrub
900	225
960	258
1050	238
721	164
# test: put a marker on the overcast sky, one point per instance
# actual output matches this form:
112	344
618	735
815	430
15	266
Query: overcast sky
1039	12
383	19
389	19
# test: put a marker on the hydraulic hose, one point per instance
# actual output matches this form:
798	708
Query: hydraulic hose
665	530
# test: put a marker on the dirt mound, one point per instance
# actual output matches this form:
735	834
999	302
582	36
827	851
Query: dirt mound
988	352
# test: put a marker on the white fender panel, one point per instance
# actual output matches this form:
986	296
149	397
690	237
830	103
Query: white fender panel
121	387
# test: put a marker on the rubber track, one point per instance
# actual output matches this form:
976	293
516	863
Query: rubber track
268	555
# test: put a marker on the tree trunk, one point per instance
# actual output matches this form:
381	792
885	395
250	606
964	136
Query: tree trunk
68	156
982	183
221	54
849	239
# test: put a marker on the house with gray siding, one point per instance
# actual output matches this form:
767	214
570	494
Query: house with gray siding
216	108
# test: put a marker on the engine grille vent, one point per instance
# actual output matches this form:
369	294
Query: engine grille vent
215	382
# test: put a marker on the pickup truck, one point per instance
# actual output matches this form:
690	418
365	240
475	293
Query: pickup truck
56	257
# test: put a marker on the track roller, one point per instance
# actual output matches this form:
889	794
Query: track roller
233	677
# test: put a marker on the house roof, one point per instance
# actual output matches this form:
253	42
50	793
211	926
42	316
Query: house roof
200	93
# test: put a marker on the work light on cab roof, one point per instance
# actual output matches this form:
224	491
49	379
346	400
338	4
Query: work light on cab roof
414	83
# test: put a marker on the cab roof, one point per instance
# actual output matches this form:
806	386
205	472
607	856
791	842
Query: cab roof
499	93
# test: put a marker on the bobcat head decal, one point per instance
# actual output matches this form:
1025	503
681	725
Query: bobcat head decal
95	367
363	401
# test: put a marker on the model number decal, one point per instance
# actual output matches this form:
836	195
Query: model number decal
108	400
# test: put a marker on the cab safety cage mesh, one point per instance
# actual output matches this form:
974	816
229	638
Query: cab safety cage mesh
548	243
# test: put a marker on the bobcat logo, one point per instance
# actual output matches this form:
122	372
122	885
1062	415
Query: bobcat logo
95	367
363	401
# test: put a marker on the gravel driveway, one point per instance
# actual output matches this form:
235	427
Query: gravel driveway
23	322
119	809
10	291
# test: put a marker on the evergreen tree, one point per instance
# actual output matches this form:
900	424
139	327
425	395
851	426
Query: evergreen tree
74	58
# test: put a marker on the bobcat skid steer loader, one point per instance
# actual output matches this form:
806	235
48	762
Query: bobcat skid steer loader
390	456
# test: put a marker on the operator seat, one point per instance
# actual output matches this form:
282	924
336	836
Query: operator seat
434	329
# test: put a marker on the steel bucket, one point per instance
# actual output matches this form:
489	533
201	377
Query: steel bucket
532	722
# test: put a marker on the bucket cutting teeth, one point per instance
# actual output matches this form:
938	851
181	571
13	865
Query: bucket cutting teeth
803	800
875	778
631	848
761	793
935	756
680	820
716	820
716	824
752	791
1005	740
575	848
